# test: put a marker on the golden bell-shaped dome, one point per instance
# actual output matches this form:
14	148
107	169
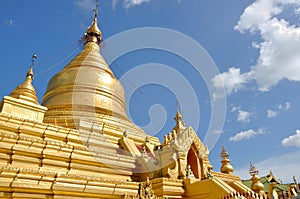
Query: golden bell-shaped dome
87	81
86	89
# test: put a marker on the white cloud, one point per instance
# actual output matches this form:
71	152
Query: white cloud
282	166
235	109
242	116
257	13
279	44
86	5
271	113
89	5
245	135
231	80
292	140
286	106
131	3
281	107
279	54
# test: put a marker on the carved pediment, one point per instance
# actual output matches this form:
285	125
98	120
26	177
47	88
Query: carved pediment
182	142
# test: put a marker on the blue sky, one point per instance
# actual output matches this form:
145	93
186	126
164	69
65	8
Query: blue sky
254	44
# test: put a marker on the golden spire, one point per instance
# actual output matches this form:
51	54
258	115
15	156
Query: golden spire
26	91
93	33
226	167
178	119
256	185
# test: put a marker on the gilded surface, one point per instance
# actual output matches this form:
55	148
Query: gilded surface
87	89
26	90
86	147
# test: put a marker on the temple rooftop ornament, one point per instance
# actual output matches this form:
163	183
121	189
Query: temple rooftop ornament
93	33
226	167
23	97
271	178
26	91
253	170
224	154
256	185
178	119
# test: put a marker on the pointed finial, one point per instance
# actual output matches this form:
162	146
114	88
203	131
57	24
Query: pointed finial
33	58
224	154
178	119
178	116
30	71
253	170
26	91
96	9
93	33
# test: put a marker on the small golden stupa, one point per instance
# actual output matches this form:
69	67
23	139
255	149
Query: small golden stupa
80	143
256	185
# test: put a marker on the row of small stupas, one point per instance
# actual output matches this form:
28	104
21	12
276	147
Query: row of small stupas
80	143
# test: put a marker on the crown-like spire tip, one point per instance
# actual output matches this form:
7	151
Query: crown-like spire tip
224	154
93	33
253	170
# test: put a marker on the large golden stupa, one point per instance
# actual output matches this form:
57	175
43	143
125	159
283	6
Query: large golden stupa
80	143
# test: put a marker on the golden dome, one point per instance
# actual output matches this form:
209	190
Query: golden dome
87	81
256	185
86	89
226	166
26	91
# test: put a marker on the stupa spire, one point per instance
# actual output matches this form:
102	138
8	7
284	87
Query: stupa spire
226	166
87	90
93	33
256	185
26	90
178	119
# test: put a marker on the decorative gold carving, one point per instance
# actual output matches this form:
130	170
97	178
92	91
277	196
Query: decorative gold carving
145	191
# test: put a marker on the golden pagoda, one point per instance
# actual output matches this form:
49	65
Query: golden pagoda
80	143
